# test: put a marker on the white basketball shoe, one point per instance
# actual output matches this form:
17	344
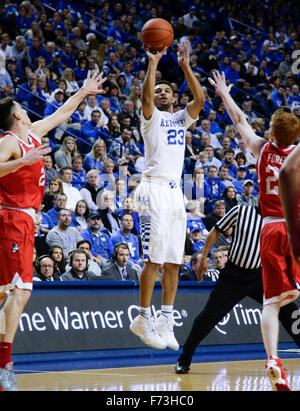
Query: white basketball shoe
144	328
164	327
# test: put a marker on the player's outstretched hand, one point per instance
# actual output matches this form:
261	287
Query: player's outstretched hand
93	83
34	155
219	83
183	56
155	56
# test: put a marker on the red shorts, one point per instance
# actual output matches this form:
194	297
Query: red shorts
16	249
281	273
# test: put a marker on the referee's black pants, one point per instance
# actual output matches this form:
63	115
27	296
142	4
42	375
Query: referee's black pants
233	285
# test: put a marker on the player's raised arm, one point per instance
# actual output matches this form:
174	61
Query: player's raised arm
196	105
149	83
92	85
238	118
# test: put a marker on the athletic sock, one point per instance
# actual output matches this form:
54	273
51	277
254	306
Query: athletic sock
145	312
167	311
5	353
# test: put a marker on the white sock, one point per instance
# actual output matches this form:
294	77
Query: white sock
167	311
145	312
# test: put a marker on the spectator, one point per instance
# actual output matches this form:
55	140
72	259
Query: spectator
247	109
91	105
79	174
79	268
239	180
101	245
106	210
62	234
81	213
128	208
219	259
20	52
54	187
93	262
194	210
125	235
36	50
191	155
212	159
107	177
205	128
72	193
60	201
218	212
230	161
94	159
56	252
213	188
194	187
202	162
72	85
91	189
122	172
224	175
65	154
247	197
127	148
40	244
50	171
6	84
46	269
229	197
91	130
29	94
214	124
197	238
118	269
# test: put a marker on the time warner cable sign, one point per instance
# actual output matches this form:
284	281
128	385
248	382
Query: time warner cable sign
100	320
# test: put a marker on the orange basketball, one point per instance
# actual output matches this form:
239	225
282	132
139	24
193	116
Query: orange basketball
157	34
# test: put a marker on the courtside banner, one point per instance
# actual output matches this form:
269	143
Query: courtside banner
94	316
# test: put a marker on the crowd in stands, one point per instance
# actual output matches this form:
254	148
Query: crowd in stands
46	50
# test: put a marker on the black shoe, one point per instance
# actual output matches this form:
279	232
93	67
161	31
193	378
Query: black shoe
181	369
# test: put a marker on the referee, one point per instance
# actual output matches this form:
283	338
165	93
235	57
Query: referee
241	277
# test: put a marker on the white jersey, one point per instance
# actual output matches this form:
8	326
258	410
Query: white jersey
164	141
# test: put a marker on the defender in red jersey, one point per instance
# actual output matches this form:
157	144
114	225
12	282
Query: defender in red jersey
289	185
22	184
281	273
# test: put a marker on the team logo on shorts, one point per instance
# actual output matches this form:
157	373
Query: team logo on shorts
15	248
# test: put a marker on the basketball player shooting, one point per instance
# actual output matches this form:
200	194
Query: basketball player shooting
281	273
159	198
22	185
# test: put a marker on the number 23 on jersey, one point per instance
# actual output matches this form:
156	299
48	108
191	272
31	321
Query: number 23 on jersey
176	137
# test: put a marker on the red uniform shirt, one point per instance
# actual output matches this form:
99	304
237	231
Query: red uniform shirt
25	187
268	165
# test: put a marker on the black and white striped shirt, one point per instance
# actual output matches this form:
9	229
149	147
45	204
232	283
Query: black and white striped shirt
247	223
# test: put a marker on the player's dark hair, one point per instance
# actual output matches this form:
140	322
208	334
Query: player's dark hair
165	82
7	107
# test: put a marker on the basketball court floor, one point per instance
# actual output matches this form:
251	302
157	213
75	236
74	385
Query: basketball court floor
246	375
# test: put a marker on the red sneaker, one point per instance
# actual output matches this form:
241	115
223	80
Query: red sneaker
276	374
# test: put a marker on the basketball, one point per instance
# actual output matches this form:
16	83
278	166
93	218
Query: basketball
157	34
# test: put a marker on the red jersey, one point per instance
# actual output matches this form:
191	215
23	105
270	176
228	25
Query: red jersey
25	187
268	165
